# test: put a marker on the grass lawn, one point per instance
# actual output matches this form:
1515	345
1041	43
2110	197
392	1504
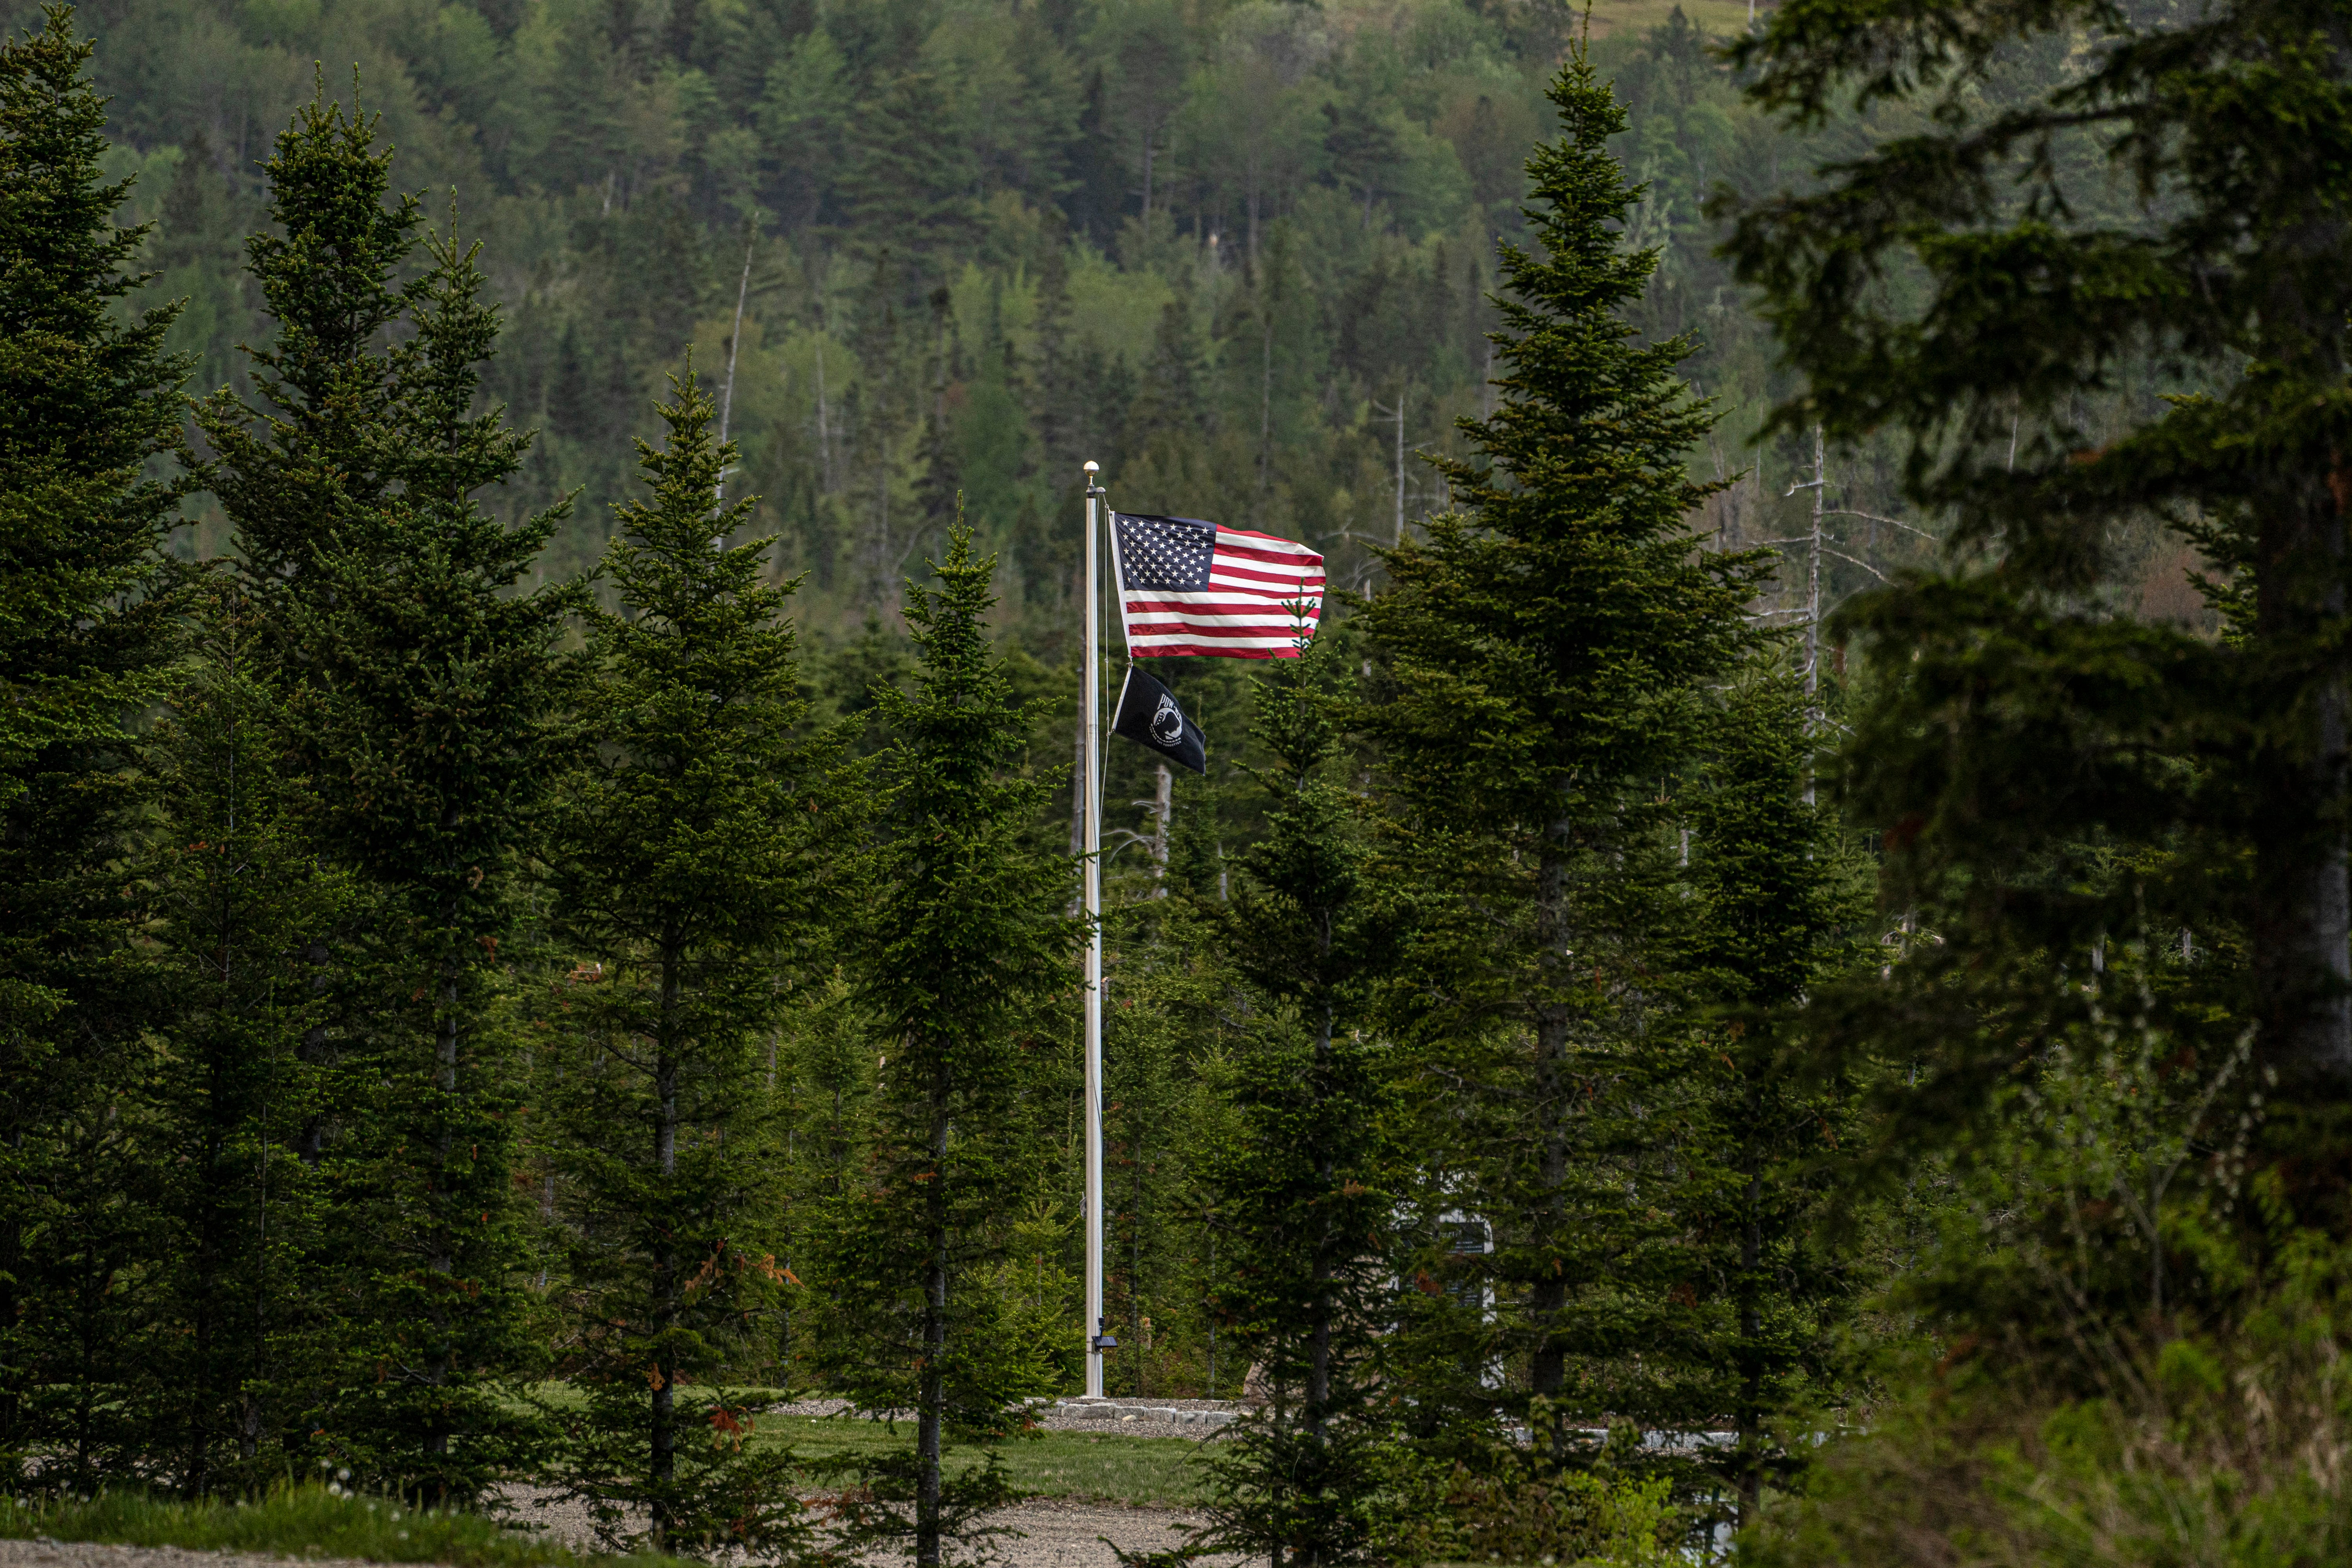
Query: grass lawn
303	1521
312	1521
1158	1471
1155	1470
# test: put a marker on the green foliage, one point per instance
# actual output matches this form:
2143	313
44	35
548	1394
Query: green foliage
1029	1293
1545	654
2115	843
822	1074
966	941
418	678
1766	1154
2112	1039
241	1334
434	689
1493	1036
619	163
86	609
1303	1181
691	862
2121	317
1522	1505
2207	1448
1166	1034
292	1520
291	473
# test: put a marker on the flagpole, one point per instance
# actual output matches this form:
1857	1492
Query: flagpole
1091	722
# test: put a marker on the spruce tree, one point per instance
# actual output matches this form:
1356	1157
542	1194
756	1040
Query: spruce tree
2114	850
288	473
1057	413
1166	979
240	1323
1169	404
1765	1153
1303	1181
823	1075
966	941
290	468
2126	308
431	692
939	485
87	612
695	864
909	179
885	410
1544	650
421	689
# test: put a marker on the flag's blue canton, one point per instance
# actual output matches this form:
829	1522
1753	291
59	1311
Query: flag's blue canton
1173	554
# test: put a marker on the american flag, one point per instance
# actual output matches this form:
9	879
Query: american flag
1190	587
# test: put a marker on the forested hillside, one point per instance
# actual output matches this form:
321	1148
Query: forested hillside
1238	254
1777	961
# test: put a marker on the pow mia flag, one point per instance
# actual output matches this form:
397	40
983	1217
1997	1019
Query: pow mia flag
1148	715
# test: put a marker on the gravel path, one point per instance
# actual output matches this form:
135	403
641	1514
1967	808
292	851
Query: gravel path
1060	1534
1055	1535
91	1554
1056	1532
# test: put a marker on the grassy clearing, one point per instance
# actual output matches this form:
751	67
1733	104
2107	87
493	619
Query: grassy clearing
310	1520
298	1521
1158	1471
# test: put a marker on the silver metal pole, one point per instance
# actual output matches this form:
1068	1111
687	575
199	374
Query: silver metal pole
1091	722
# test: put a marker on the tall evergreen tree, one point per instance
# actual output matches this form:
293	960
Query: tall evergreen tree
908	187
290	468
431	692
1170	403
87	612
288	473
240	1322
1167	980
2110	842
939	488
1762	1147
1305	1186
1544	651
1059	418
886	410
823	1075
967	940
2166	211
695	864
425	686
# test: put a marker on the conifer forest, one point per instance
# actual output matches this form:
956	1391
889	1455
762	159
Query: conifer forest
1772	984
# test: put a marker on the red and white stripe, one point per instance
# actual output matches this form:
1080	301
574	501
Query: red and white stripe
1247	611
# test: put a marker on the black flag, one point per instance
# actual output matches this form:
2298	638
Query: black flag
1148	715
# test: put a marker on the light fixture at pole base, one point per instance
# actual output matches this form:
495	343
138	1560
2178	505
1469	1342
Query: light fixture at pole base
1104	1342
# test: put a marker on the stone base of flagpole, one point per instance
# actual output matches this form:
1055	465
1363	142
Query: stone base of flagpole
1205	1413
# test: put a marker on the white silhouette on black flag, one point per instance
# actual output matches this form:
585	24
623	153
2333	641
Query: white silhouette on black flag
1148	715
